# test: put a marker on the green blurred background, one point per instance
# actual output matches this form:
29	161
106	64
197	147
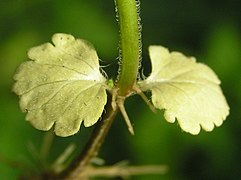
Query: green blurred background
209	30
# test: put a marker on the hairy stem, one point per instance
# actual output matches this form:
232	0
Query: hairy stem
129	44
129	57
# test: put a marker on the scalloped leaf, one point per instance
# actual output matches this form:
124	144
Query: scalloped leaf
61	85
188	91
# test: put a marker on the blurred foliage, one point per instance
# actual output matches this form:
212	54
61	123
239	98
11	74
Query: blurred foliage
209	30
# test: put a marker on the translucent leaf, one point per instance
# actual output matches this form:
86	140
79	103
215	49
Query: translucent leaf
61	85
186	90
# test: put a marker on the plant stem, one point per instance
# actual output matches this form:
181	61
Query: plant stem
129	44
125	171
129	57
92	147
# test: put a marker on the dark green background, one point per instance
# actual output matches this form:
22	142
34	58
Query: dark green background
209	30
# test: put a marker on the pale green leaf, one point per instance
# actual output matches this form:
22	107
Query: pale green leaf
61	85
188	91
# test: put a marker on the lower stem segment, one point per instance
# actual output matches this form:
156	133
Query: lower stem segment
92	147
